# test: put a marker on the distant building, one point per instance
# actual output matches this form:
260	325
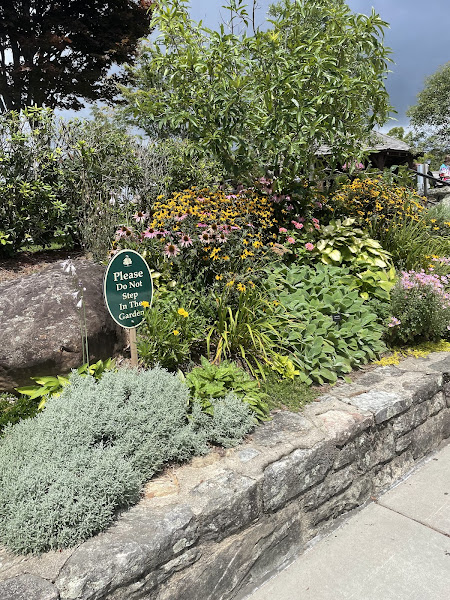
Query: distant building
383	151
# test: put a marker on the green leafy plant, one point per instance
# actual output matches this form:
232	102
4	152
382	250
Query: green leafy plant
310	299
247	332
13	409
412	243
173	332
53	386
263	101
216	381
87	455
420	307
291	394
343	243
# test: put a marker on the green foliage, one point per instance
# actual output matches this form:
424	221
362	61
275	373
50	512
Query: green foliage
341	243
65	51
429	116
319	347
291	394
173	331
66	473
13	409
261	102
217	381
30	205
412	243
53	386
247	332
420	309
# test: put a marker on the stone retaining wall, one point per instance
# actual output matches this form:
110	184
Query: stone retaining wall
213	529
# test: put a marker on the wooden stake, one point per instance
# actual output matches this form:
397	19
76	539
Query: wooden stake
133	347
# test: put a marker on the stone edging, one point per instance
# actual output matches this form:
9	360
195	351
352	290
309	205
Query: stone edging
213	529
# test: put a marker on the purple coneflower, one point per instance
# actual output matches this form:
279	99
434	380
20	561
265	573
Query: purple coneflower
222	238
150	233
171	250
204	238
140	217
186	240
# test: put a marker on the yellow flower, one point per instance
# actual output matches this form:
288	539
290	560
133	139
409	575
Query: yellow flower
241	287
176	332
145	304
230	283
183	312
219	277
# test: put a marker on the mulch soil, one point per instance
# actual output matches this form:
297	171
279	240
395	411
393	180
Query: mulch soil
27	263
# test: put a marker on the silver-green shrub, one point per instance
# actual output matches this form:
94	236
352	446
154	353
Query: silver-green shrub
65	473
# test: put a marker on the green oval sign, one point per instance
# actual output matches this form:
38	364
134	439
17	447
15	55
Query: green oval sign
128	283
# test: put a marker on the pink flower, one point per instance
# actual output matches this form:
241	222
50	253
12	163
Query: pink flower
222	238
291	240
150	233
231	196
202	225
282	230
297	225
124	232
180	217
204	238
394	322
315	221
171	250
185	240
140	217
309	246
316	225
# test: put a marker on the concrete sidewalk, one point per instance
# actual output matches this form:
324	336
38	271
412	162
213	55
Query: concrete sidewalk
395	549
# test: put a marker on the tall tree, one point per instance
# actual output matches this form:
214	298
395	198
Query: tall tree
430	116
265	101
54	53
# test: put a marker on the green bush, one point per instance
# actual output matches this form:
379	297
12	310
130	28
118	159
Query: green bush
173	332
420	307
216	381
321	348
13	409
66	473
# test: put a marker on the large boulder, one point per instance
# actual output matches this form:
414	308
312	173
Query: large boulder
40	324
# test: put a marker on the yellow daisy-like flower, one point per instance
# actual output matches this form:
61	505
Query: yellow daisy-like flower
219	277
230	283
176	332
183	313
240	287
145	304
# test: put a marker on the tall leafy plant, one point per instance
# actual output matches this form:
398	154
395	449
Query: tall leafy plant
264	102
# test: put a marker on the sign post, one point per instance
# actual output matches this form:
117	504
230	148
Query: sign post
127	285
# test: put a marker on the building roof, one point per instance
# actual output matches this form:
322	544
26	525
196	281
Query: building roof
379	142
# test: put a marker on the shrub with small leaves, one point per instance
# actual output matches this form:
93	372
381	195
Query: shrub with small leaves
66	473
420	306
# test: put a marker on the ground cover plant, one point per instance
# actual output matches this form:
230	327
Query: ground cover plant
321	347
88	453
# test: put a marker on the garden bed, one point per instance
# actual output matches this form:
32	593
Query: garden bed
216	527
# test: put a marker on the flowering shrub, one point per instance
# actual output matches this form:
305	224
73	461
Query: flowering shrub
376	201
203	233
173	331
420	306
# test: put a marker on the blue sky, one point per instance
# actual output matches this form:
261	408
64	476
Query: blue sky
419	36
